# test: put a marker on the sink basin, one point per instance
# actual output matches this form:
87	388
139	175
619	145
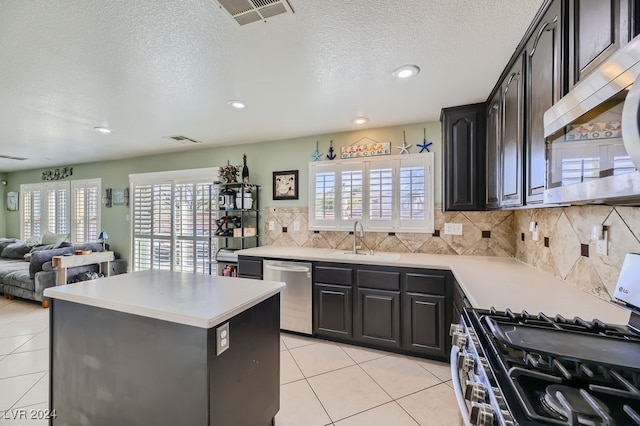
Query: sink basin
378	256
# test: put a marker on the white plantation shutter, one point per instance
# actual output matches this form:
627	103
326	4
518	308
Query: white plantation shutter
381	195
416	194
389	193
193	221
351	192
69	207
322	203
173	215
57	207
31	205
85	212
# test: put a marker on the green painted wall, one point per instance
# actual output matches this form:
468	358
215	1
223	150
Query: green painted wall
262	159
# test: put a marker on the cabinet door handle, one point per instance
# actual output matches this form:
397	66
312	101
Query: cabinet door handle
287	268
511	77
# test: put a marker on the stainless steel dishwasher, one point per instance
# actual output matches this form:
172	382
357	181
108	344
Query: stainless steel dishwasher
295	300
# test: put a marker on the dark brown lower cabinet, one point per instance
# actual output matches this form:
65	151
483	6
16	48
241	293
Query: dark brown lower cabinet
333	311
423	324
377	317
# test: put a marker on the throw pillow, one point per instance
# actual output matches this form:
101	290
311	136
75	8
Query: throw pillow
16	250
43	256
55	239
4	242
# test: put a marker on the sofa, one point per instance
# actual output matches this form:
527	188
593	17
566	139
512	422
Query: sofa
26	270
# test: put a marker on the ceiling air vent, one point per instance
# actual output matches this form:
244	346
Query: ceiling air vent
248	11
10	157
183	139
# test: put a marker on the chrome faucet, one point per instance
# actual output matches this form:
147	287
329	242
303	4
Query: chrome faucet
355	236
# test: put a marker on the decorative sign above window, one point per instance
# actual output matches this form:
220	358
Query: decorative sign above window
57	174
370	149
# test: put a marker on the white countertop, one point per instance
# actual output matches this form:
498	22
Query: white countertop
486	281
191	299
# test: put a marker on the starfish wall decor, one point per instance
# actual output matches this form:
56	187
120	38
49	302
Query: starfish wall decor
404	149
317	155
424	146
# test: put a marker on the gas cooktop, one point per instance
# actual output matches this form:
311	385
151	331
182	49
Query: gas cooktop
553	370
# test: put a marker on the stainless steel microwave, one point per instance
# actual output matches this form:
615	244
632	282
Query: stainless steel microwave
593	136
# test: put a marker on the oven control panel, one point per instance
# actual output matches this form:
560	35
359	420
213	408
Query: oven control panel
480	400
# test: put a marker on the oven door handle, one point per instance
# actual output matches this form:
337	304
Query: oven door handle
457	387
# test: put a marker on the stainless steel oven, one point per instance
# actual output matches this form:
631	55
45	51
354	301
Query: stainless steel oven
520	369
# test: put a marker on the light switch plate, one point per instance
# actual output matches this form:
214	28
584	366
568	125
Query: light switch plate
222	338
453	229
296	225
271	226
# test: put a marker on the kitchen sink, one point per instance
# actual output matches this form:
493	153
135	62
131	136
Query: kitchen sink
364	255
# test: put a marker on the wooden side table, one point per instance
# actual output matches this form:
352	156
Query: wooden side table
62	263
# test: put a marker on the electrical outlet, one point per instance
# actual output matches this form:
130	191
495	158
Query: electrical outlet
534	234
601	245
222	338
271	226
453	229
296	225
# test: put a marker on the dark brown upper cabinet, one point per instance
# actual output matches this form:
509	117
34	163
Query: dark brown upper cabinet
512	152
463	138
494	142
544	72
597	28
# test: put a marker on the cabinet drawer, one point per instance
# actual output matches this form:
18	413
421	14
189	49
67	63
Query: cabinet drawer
333	275
250	267
426	283
378	279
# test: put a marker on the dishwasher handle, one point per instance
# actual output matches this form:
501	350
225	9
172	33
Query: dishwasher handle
303	269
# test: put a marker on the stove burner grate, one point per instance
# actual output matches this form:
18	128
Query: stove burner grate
575	405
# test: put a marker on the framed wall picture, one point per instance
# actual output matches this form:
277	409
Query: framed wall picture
121	197
12	201
285	185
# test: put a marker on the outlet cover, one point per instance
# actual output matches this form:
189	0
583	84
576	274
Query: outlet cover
296	225
453	229
222	338
271	225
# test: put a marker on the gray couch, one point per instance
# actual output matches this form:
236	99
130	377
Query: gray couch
28	279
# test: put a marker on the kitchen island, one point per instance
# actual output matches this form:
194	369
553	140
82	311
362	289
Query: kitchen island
165	348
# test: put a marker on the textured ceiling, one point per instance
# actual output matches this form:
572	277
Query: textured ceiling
150	69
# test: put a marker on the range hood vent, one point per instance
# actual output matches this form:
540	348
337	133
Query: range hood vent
247	11
183	139
10	157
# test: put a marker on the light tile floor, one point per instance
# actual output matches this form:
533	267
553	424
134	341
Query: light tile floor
322	383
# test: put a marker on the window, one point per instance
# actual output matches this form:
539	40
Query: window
173	220
61	208
85	213
391	193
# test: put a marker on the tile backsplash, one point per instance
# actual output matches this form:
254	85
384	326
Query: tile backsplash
563	249
571	254
497	228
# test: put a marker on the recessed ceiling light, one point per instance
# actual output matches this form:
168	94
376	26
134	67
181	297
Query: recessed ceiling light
406	71
102	129
360	120
237	104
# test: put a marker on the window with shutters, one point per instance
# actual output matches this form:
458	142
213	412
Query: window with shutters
389	193
173	220
85	211
70	207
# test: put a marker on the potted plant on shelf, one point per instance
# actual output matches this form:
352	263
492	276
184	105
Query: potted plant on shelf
229	173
